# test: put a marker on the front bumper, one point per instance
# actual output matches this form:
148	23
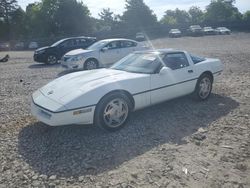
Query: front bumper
175	34
39	58
83	115
71	65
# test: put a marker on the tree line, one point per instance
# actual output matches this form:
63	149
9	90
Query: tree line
54	18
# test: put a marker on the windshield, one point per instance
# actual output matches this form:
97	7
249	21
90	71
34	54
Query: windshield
197	59
195	27
174	30
98	45
222	28
146	63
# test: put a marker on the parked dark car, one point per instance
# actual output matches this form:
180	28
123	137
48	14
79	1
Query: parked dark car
51	54
209	31
195	30
174	33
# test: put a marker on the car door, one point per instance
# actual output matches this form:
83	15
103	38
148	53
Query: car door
178	79
110	53
67	46
82	43
127	47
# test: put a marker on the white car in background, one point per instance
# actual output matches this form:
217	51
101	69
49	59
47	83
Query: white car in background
106	96
33	45
140	36
101	54
223	31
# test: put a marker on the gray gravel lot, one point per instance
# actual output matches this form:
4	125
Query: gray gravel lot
180	143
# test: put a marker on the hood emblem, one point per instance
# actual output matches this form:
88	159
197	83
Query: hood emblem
50	92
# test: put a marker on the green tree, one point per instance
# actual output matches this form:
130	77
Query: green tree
71	17
222	11
169	18
107	15
106	19
138	15
34	24
58	17
7	7
196	15
17	26
176	18
246	16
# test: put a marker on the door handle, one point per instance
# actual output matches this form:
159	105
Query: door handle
190	71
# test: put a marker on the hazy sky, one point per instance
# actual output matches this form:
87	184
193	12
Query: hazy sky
158	6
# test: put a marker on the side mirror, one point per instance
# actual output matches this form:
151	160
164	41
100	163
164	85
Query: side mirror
104	49
164	70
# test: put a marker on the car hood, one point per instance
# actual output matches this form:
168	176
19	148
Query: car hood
78	52
81	82
175	32
43	48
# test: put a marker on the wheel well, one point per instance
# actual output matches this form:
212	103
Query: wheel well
130	97
92	58
208	73
51	54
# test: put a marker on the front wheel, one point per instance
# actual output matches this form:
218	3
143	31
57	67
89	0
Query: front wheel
51	59
113	111
203	87
90	64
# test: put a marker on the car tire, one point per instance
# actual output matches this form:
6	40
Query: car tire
203	87
113	111
90	64
51	59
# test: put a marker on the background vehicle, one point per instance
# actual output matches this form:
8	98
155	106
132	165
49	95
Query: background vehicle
195	30
19	46
174	33
209	31
140	36
4	46
101	54
51	54
33	45
106	97
223	31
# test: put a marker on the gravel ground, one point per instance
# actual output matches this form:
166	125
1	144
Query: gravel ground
181	143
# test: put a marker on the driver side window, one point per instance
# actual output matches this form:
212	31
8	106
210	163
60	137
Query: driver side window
175	60
113	45
67	44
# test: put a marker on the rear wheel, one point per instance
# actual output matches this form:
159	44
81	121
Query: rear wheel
90	64
51	59
113	111
203	87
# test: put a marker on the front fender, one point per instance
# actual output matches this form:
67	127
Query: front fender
83	98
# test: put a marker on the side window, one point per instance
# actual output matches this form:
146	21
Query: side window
74	42
67	44
134	44
175	60
128	44
82	42
113	45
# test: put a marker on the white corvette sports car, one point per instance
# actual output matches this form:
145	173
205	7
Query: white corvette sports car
106	97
